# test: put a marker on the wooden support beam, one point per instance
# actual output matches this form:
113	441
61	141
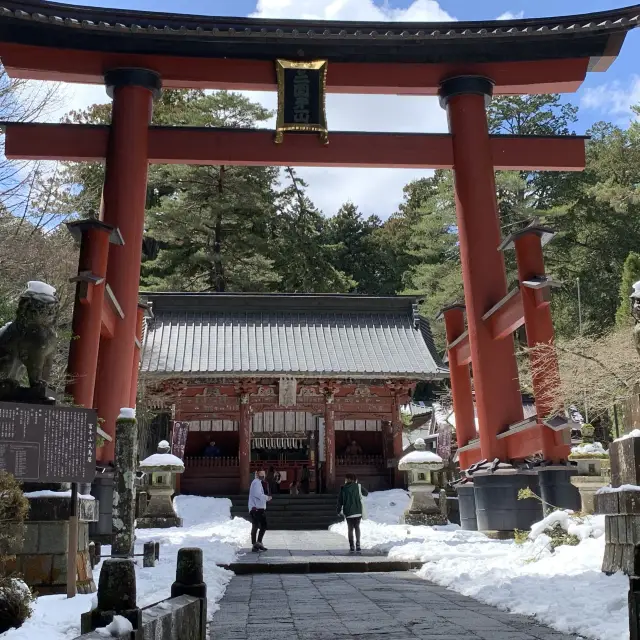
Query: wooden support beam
111	313
523	444
459	350
506	316
77	65
193	145
109	319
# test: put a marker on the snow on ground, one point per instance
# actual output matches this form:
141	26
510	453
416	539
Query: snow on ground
207	524
564	589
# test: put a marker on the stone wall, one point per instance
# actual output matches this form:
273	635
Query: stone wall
181	617
43	558
173	619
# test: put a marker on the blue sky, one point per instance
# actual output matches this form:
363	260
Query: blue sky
604	96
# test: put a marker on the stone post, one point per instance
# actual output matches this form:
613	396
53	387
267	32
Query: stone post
149	555
124	490
190	582
92	554
116	596
622	522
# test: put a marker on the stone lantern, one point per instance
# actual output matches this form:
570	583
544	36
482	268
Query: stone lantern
593	468
420	464
162	466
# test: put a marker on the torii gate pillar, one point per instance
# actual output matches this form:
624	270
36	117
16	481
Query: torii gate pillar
495	372
125	192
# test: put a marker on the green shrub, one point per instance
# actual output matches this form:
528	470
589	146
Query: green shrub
16	601
560	537
520	537
15	596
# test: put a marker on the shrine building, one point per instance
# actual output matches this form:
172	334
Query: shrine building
286	381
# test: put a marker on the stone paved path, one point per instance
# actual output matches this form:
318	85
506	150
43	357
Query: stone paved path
303	600
363	606
312	551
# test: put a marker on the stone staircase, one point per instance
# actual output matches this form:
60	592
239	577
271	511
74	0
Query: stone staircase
289	513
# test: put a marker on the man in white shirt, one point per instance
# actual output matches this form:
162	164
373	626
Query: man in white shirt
258	511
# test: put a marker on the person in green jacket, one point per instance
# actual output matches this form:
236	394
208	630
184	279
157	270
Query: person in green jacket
350	505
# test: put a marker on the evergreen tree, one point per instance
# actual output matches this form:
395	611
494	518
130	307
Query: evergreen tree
216	228
599	226
302	252
433	243
358	251
630	275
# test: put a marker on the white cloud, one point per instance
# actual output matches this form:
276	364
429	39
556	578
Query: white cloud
376	191
418	10
613	99
509	15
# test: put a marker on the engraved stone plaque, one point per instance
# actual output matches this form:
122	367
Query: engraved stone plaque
41	443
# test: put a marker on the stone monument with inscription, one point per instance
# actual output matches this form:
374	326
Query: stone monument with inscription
44	446
47	447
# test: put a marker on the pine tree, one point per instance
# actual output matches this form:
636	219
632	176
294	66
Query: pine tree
433	243
630	275
302	252
357	249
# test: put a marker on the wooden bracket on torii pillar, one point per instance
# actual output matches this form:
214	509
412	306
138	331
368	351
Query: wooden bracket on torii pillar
506	316
459	350
542	286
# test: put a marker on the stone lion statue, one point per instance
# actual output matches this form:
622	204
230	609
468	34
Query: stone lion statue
28	344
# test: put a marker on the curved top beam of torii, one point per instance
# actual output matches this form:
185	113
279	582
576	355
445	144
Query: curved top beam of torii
44	40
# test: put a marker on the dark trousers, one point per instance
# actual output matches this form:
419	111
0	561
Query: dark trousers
353	524
259	525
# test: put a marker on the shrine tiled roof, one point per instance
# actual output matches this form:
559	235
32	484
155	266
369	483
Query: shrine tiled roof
54	24
302	335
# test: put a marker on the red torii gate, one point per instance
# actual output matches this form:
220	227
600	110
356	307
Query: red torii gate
136	53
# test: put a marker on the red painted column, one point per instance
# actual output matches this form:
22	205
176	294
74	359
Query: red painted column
329	444
461	390
498	399
539	329
87	311
125	190
396	439
135	365
244	443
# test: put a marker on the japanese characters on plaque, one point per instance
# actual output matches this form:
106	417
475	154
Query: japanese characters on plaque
444	441
287	392
301	98
41	443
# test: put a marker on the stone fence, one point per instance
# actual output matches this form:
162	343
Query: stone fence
183	616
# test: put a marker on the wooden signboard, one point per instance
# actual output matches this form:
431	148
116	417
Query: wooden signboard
179	439
41	443
301	98
444	441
